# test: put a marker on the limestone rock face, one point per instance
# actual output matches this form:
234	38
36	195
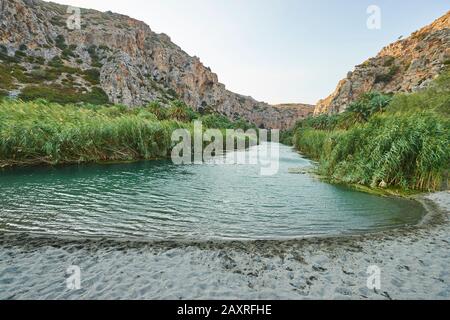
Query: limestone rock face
124	82
405	66
135	64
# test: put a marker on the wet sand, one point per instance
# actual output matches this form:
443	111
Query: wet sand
414	264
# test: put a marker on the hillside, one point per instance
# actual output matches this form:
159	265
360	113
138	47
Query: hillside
406	66
115	59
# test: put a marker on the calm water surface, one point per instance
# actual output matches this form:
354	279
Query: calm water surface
161	201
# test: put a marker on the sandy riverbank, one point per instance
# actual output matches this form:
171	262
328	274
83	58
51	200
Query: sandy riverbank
414	264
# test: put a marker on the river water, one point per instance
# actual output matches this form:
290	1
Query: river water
82	213
161	201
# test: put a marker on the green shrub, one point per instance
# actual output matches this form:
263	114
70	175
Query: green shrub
145	114
172	93
39	75
96	96
51	93
215	121
58	67
95	58
6	79
160	112
311	141
60	42
18	72
389	61
104	48
35	60
387	77
369	104
321	122
243	124
58	21
55	62
5	57
287	137
20	54
92	75
435	98
181	112
63	95
67	53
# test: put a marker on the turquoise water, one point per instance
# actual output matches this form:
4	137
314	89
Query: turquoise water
160	201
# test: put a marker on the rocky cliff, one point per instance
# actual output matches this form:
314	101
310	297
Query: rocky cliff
113	56
295	111
404	66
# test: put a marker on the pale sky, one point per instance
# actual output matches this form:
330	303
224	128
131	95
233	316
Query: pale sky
278	51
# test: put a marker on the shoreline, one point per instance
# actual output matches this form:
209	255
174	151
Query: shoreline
413	262
435	216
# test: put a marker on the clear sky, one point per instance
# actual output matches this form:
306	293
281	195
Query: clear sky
278	50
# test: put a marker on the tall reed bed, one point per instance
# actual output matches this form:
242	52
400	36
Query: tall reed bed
405	142
42	132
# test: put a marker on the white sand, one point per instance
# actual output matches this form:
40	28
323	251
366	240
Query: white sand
414	264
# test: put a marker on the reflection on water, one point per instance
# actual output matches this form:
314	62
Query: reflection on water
160	201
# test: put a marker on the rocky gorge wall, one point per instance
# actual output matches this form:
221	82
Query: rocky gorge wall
133	64
407	65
